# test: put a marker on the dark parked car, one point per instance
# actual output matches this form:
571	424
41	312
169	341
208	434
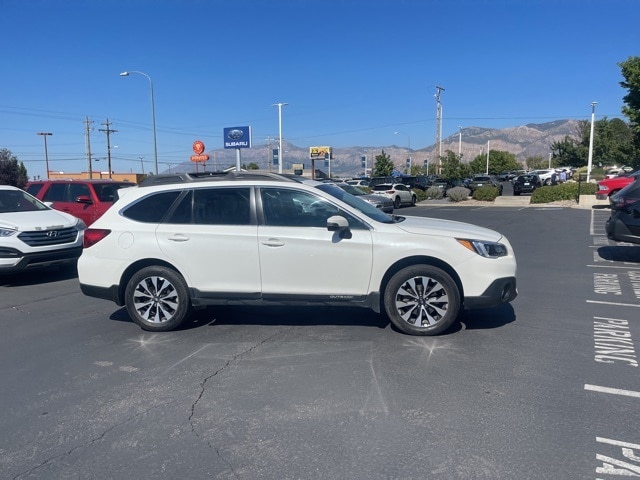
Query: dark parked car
420	182
480	181
442	184
624	223
525	184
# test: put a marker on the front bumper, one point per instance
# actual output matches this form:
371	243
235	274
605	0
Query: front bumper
12	260
501	290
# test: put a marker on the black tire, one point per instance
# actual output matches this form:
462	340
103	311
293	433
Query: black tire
422	300
516	193
397	203
157	299
413	200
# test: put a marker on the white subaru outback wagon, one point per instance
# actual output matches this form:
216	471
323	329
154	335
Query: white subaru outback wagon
185	241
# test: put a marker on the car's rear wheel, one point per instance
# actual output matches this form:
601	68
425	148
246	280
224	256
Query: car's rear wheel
157	299
396	202
422	300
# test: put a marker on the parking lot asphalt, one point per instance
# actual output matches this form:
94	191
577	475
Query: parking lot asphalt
545	387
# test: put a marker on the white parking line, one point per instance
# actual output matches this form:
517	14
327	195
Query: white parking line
626	267
613	391
614	303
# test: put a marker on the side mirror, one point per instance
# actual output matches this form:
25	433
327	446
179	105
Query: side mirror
339	224
84	199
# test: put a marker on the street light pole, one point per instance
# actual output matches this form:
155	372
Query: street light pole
280	159
153	114
593	115
459	141
46	154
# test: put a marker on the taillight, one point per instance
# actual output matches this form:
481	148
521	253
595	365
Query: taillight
94	235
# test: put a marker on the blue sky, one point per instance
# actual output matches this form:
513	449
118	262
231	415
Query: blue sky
352	72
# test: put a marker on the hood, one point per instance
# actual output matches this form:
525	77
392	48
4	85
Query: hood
447	228
40	220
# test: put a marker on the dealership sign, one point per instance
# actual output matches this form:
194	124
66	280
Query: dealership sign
237	137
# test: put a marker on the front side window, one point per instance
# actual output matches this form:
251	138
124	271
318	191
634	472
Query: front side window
58	192
293	208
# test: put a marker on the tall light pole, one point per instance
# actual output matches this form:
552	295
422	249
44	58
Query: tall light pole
280	159
46	154
153	114
459	141
439	128
593	116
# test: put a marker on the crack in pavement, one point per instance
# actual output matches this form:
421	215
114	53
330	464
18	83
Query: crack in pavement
91	441
203	385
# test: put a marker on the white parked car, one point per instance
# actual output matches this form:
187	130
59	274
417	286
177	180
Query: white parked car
358	183
399	193
544	175
187	241
34	235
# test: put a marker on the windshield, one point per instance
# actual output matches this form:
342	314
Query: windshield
12	201
355	202
352	190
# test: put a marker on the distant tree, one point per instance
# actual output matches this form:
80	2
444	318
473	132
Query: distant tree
453	168
537	162
631	73
251	166
383	166
612	145
499	161
12	172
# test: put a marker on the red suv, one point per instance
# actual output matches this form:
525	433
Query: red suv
609	186
85	199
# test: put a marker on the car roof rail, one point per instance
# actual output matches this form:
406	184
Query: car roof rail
187	177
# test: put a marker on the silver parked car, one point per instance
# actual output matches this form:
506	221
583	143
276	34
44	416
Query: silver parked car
379	201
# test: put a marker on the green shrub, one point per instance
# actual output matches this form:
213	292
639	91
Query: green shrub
420	194
563	191
434	193
458	194
486	194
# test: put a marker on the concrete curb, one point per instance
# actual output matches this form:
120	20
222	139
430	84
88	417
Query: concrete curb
584	202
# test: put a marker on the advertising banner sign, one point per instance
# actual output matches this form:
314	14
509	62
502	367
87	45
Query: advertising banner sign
320	152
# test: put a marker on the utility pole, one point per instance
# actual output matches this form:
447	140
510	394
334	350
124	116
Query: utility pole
108	131
87	132
439	128
46	153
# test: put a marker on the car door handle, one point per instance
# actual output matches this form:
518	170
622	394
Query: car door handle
179	238
273	242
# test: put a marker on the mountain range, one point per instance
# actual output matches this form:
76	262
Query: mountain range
523	141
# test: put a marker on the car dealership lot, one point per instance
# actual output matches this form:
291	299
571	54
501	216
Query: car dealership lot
545	387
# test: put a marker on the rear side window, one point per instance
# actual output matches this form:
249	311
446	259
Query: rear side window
214	206
151	209
58	192
106	192
34	189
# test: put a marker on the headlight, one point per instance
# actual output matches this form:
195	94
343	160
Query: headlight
483	248
5	232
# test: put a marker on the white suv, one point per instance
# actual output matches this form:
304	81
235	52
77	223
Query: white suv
192	240
34	235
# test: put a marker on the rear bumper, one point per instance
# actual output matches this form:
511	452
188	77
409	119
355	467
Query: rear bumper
619	232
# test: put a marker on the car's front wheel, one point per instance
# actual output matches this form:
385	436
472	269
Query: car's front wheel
413	200
422	300
157	299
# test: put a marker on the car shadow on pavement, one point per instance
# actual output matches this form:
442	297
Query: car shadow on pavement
274	315
38	276
479	319
487	318
620	253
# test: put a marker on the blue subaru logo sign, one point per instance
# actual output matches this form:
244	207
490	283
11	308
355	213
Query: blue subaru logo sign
237	137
